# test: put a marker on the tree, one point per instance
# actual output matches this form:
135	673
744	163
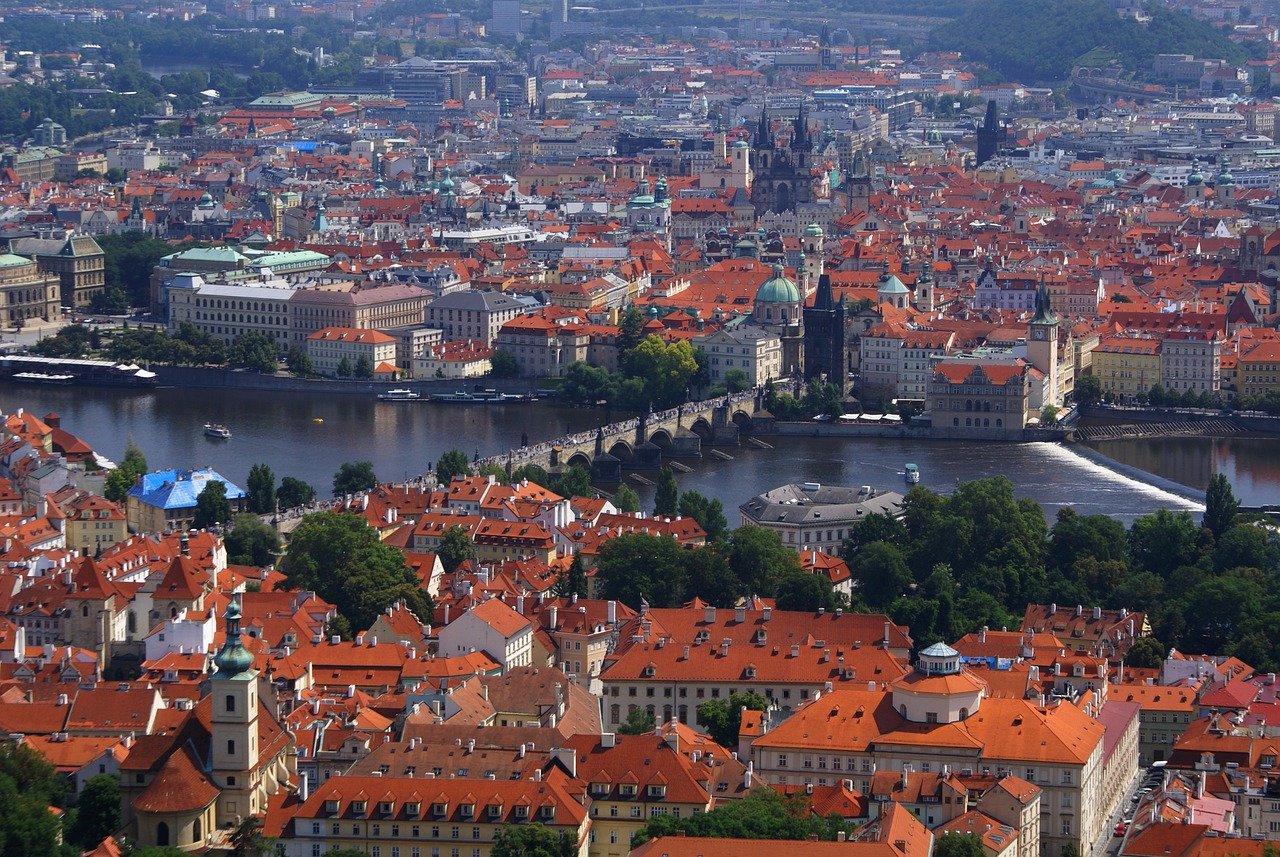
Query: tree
1071	849
254	351
342	559
639	567
363	368
1220	505
344	368
709	513
531	840
736	381
97	811
1088	390
876	527
455	548
1147	652
353	477
1162	541
212	506
29	785
881	572
251	542
666	499
1049	415
120	480
574	482
452	463
502	364
760	559
640	721
1245	546
261	494
722	718
763	814
299	363
573	581
247	839
626	499
958	845
294	493
800	590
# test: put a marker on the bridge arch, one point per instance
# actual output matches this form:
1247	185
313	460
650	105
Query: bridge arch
701	427
743	420
621	450
579	458
661	439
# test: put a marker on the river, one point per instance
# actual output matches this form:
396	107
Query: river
404	439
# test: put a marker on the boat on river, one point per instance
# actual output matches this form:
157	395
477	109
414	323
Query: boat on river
217	431
912	474
402	395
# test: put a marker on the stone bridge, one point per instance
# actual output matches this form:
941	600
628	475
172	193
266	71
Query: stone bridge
645	441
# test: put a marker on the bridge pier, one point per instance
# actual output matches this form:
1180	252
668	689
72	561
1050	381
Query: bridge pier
724	431
606	468
686	444
647	456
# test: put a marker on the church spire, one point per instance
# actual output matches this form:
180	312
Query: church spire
1044	310
764	132
233	659
800	139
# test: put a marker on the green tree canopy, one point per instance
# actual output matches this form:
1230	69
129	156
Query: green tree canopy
640	721
97	813
532	840
342	559
666	500
760	559
708	512
453	462
261	489
638	567
455	548
958	845
722	718
573	580
212	506
353	477
251	542
294	493
762	814
626	499
1220	505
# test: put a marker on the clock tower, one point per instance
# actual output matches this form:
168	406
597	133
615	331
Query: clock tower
1042	346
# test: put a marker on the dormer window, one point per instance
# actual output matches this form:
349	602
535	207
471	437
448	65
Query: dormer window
331	807
386	807
648	671
547	813
495	810
467	810
411	809
358	807
599	788
657	791
522	812
440	808
627	790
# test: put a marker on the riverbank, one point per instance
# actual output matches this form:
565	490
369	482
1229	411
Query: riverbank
204	377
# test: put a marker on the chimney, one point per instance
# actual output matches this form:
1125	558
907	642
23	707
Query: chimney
568	758
520	604
1053	608
608	739
471	746
748	774
888	626
1079	610
767	613
611	612
554	617
1097	613
673	739
709	615
739	615
304	787
184	545
982	635
795	650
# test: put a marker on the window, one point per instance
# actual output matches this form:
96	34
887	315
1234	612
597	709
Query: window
230	703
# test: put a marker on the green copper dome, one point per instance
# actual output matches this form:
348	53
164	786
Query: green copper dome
1196	177
777	289
891	285
233	659
813	230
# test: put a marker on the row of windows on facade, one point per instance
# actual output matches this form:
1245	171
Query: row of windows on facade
976	423
700	693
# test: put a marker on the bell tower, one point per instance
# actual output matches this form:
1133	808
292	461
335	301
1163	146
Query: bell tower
811	270
234	727
1042	344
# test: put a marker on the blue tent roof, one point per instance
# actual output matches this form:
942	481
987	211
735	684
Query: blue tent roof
178	489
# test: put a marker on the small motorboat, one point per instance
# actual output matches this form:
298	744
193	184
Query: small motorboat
912	474
317	420
217	431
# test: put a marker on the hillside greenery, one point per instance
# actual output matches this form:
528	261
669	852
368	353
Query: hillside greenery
1040	42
